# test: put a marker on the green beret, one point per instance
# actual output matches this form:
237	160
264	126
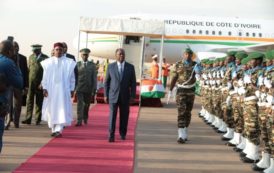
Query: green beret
240	55
269	55
203	61
188	50
255	55
85	51
36	46
209	62
244	61
231	53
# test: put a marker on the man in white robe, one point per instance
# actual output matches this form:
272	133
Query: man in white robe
58	85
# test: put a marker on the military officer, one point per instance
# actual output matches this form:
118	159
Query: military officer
35	89
86	86
184	78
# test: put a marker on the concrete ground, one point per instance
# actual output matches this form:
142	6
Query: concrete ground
156	147
157	150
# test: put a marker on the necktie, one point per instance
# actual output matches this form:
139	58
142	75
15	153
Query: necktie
121	72
85	64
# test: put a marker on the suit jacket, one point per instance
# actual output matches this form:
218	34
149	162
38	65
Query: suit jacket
70	56
87	77
21	61
114	88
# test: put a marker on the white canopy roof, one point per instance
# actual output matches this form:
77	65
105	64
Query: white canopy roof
150	28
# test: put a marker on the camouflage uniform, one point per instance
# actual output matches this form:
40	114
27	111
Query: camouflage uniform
185	96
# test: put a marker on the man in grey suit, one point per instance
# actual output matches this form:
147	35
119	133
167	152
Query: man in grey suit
86	86
120	90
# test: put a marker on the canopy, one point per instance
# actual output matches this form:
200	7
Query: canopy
134	27
149	28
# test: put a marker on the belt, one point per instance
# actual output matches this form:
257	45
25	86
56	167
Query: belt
186	86
233	92
250	98
261	104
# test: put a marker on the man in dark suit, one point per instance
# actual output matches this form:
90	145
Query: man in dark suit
65	52
17	100
120	90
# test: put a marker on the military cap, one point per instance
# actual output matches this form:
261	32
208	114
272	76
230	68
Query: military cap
255	55
231	53
188	50
36	46
85	51
241	55
244	61
269	55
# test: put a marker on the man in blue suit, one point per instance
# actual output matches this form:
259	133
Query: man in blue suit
120	90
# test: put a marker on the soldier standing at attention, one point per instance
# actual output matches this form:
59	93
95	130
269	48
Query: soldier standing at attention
184	78
251	123
86	86
35	89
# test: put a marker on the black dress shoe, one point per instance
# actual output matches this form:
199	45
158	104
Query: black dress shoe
242	154
219	131
230	144
237	149
257	168
181	141
111	139
123	137
7	127
225	139
58	135
248	160
85	122
38	123
26	122
78	124
16	125
53	134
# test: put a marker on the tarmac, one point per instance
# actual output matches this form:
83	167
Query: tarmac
156	147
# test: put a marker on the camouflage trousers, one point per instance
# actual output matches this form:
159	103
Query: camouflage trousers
263	118
227	113
216	101
270	131
203	100
237	113
209	99
185	100
251	123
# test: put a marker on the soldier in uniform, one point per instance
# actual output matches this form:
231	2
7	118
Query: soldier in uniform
251	123
226	104
265	96
35	89
85	87
184	78
217	100
237	82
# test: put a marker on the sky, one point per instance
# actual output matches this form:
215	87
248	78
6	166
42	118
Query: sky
48	21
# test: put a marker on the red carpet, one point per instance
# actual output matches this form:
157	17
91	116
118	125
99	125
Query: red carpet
86	149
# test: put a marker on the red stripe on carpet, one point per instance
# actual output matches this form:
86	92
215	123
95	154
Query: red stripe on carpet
86	148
